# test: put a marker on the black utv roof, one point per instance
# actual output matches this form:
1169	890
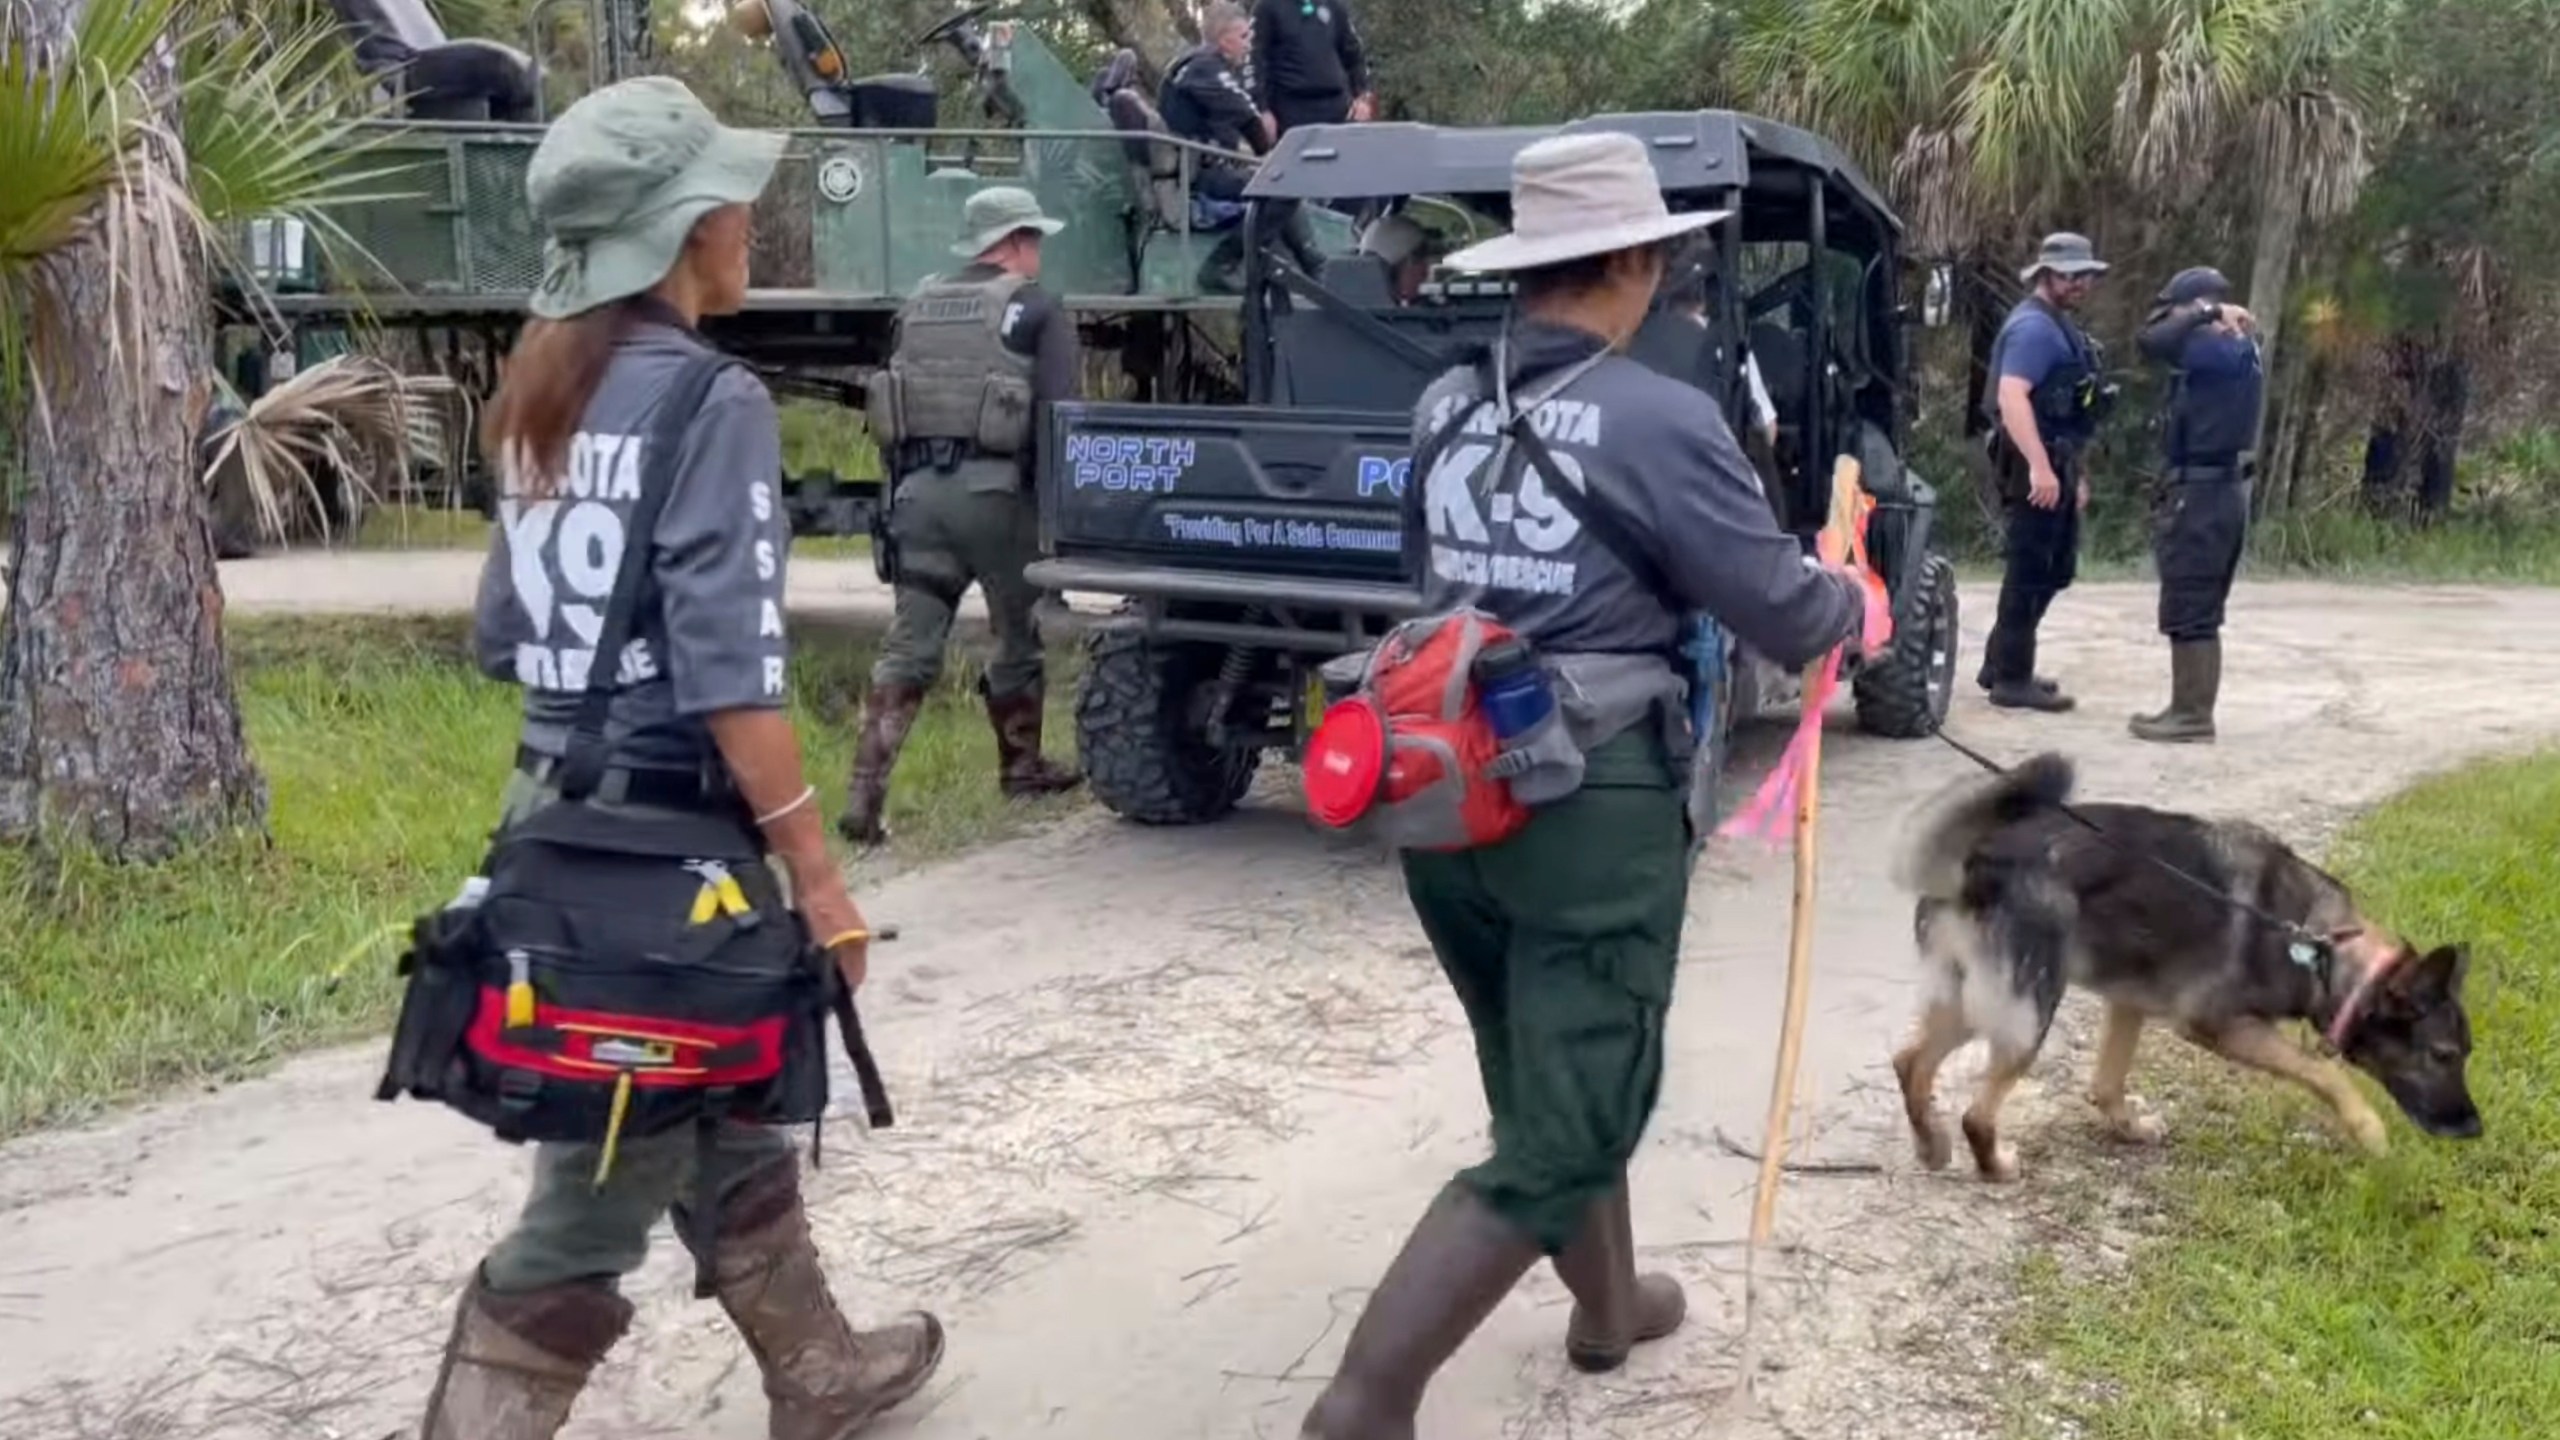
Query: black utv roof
1693	150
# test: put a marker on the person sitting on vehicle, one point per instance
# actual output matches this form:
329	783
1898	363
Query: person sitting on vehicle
1405	246
1562	940
645	200
1205	100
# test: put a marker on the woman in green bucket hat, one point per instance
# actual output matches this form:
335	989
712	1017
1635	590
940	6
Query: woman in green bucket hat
644	198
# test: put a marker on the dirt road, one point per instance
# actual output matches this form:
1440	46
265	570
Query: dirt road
1169	1100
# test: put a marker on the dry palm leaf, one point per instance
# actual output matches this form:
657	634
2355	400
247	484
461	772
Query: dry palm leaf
354	421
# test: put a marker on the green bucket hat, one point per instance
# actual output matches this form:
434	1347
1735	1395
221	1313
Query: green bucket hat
993	213
619	181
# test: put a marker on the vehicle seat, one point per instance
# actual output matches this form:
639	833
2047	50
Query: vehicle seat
1361	280
1155	165
895	102
399	44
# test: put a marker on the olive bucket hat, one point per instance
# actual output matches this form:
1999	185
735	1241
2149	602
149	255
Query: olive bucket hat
996	212
618	182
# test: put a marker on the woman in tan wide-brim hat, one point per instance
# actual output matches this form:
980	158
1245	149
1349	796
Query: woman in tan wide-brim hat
1561	941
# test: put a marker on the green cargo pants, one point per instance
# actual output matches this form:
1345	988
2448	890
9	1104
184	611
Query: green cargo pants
1561	943
573	1229
951	531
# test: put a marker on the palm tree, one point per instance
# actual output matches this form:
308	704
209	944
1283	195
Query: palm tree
133	133
1989	115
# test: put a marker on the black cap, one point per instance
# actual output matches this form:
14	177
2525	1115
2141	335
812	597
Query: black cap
2202	282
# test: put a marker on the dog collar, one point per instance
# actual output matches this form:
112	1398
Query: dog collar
2371	980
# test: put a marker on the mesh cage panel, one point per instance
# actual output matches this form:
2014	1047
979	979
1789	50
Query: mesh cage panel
408	242
503	243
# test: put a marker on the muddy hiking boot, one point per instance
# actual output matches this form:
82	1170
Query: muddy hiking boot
1021	770
1614	1308
515	1363
888	713
1455	1267
824	1379
2195	683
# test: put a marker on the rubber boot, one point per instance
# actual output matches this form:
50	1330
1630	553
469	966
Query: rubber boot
2031	695
515	1363
1298	234
1614	1308
2195	683
1021	770
1455	1267
1222	273
823	1379
888	713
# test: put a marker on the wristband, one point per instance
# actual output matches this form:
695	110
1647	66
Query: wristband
807	794
846	937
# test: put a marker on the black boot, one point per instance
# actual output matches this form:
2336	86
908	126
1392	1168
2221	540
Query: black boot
2195	683
1455	1267
1614	1308
1223	272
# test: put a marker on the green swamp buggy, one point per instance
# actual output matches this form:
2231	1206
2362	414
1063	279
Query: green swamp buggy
1252	543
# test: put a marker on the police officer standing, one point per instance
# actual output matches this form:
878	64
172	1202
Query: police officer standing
2045	401
1308	65
978	352
1562	941
2210	347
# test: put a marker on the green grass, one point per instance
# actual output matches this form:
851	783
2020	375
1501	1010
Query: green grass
385	753
2290	1290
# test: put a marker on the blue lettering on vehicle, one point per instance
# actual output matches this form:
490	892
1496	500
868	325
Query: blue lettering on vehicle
1149	464
1377	470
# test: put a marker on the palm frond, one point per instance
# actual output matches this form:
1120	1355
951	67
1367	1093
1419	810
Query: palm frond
354	420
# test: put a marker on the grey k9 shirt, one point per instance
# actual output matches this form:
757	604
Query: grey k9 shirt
712	639
1641	443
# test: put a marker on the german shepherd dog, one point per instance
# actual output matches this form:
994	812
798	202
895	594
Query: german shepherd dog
2152	911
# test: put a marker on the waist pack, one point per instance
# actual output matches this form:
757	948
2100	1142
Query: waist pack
618	973
1411	751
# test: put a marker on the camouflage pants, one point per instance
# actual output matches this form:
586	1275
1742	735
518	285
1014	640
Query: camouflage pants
951	534
572	1228
1561	943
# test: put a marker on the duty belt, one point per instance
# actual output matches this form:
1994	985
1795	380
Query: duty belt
2207	474
663	789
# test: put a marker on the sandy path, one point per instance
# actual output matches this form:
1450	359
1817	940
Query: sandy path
442	581
1170	1099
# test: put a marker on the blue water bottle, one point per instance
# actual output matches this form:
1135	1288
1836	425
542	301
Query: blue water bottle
1514	690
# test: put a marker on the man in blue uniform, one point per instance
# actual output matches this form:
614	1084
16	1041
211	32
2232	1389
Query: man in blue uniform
2044	401
2210	425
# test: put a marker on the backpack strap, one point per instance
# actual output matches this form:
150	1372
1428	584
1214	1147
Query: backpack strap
582	759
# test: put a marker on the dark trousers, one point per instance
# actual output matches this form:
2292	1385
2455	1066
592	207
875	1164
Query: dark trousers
2043	559
2199	528
1292	111
1561	943
1283	221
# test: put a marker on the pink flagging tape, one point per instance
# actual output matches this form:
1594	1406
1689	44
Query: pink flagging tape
1770	815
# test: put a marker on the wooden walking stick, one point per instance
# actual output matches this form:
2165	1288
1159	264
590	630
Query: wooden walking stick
1799	777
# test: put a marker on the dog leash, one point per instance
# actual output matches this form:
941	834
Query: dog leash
2309	950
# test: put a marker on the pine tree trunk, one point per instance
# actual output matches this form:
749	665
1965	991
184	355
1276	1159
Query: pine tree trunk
1146	26
118	727
2271	273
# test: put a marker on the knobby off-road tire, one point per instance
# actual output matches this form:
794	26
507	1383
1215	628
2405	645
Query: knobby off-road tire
1904	693
1140	735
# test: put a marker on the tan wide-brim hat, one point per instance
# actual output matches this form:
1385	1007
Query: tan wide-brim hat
1575	196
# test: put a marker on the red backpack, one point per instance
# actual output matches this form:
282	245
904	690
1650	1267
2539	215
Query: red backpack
1411	750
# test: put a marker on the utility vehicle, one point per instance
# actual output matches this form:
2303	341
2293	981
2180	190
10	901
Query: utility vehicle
1251	543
